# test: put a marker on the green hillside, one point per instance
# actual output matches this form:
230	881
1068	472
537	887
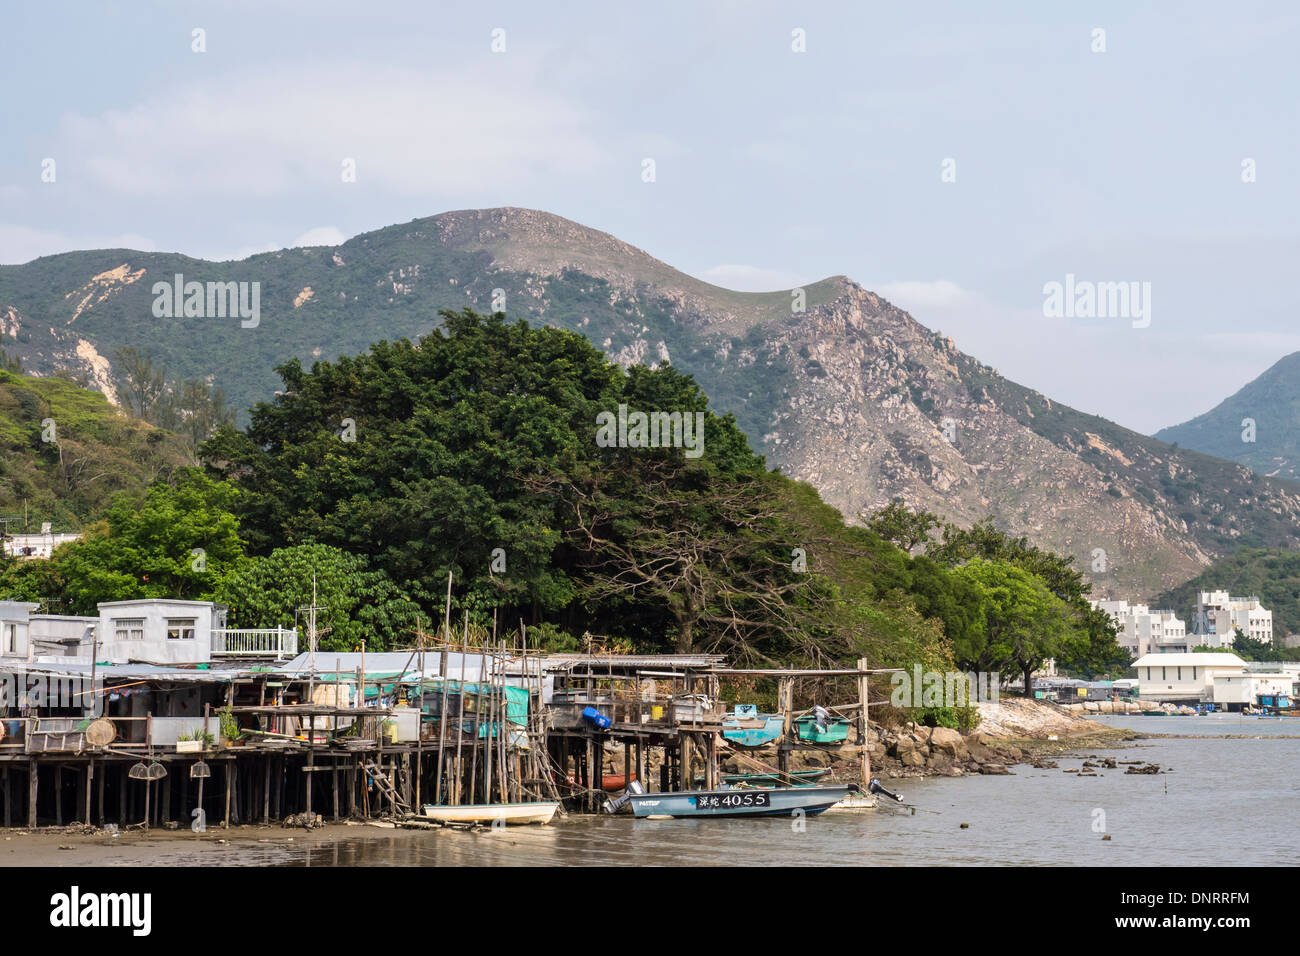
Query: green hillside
1272	403
95	451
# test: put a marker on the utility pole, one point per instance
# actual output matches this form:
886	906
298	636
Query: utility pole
312	635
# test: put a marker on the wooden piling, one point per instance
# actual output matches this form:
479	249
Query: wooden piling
33	783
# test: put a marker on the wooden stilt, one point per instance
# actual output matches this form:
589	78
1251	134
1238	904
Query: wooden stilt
33	782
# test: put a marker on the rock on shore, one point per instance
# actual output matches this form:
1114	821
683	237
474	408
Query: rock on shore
1009	732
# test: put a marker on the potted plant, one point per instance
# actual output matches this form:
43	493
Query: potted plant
230	732
196	741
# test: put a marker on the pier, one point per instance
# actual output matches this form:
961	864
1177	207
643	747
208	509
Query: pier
335	736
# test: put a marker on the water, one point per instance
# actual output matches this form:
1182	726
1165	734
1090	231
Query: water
1226	801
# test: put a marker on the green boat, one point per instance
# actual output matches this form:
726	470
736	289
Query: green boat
833	731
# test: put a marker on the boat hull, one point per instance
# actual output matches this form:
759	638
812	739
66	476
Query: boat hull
753	731
777	801
834	731
512	814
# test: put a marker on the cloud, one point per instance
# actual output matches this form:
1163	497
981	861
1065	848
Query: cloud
413	133
744	278
910	295
20	244
320	236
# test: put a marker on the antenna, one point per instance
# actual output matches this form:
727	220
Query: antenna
312	635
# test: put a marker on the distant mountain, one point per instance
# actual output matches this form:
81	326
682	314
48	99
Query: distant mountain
850	394
1272	402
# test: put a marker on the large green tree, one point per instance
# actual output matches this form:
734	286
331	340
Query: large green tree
1023	625
356	603
176	543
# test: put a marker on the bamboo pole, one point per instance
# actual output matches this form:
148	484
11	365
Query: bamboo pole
460	718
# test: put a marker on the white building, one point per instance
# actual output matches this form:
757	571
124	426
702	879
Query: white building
1142	631
1184	677
152	631
26	635
164	631
33	547
1219	616
1225	679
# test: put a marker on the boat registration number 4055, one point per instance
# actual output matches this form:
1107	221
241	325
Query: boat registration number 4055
720	801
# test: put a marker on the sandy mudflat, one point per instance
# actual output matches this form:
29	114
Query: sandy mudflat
238	846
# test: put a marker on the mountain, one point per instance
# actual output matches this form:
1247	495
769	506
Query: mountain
65	451
1272	402
851	394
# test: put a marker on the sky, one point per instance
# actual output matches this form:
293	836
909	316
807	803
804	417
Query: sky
956	160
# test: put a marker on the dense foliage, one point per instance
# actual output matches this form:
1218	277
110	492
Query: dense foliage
65	452
473	452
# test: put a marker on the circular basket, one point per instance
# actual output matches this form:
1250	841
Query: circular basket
101	732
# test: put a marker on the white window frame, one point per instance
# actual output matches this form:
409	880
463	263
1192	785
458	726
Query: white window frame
128	628
181	628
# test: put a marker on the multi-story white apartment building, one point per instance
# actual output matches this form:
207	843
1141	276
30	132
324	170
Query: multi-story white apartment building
1142	631
1219	615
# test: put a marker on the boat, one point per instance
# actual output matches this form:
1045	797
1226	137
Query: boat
746	727
855	801
511	814
773	802
611	782
833	731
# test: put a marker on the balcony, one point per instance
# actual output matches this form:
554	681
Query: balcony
277	643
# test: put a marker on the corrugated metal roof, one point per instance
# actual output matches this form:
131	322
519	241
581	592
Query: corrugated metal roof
634	660
82	669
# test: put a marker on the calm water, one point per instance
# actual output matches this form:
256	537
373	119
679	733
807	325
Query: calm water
1248	788
1226	801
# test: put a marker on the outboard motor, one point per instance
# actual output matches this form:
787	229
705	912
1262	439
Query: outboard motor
619	802
875	787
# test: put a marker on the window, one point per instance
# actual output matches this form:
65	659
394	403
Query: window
128	628
11	638
1180	673
1163	675
180	628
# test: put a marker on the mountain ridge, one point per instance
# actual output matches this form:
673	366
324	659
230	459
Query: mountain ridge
1265	409
851	394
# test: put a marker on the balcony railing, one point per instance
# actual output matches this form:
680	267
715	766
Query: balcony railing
277	642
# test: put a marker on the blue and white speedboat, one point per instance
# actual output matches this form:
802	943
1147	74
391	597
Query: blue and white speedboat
740	802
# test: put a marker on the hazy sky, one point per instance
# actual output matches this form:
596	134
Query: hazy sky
772	167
